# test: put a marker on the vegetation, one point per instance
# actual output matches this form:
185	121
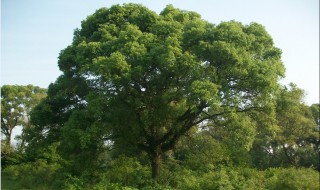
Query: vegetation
16	105
168	101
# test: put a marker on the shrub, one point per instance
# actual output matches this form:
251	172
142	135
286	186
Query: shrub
253	178
128	172
292	179
221	179
32	175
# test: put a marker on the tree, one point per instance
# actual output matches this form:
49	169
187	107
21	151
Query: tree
294	138
147	79
315	110
16	104
297	128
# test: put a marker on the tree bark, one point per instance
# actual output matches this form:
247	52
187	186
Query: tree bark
155	164
8	140
22	142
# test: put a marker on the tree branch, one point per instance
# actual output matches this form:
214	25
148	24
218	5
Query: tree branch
190	123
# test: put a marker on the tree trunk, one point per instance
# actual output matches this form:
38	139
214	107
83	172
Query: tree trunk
22	142
156	160
8	140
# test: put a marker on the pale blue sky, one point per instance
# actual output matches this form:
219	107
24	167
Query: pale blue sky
33	32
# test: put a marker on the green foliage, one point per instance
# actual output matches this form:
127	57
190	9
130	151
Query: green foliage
201	146
222	179
32	175
293	139
315	110
143	80
128	172
11	156
292	179
235	132
16	104
199	101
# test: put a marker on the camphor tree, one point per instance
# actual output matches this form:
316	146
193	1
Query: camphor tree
141	80
16	104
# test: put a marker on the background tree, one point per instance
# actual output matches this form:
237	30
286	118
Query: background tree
144	80
297	127
315	109
16	104
293	140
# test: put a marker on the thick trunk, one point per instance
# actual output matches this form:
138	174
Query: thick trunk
155	164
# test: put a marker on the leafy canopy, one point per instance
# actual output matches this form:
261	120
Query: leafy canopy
16	104
143	80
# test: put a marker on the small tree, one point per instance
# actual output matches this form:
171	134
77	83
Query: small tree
16	104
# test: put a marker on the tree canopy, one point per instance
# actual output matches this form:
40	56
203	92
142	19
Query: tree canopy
140	81
16	104
162	101
143	80
17	101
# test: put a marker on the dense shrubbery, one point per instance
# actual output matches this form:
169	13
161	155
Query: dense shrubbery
38	174
128	174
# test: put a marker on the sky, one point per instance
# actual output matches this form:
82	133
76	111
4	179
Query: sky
33	32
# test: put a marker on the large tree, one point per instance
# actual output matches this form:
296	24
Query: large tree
140	81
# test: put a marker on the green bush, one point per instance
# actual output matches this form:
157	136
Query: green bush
292	179
32	175
221	179
128	172
253	178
